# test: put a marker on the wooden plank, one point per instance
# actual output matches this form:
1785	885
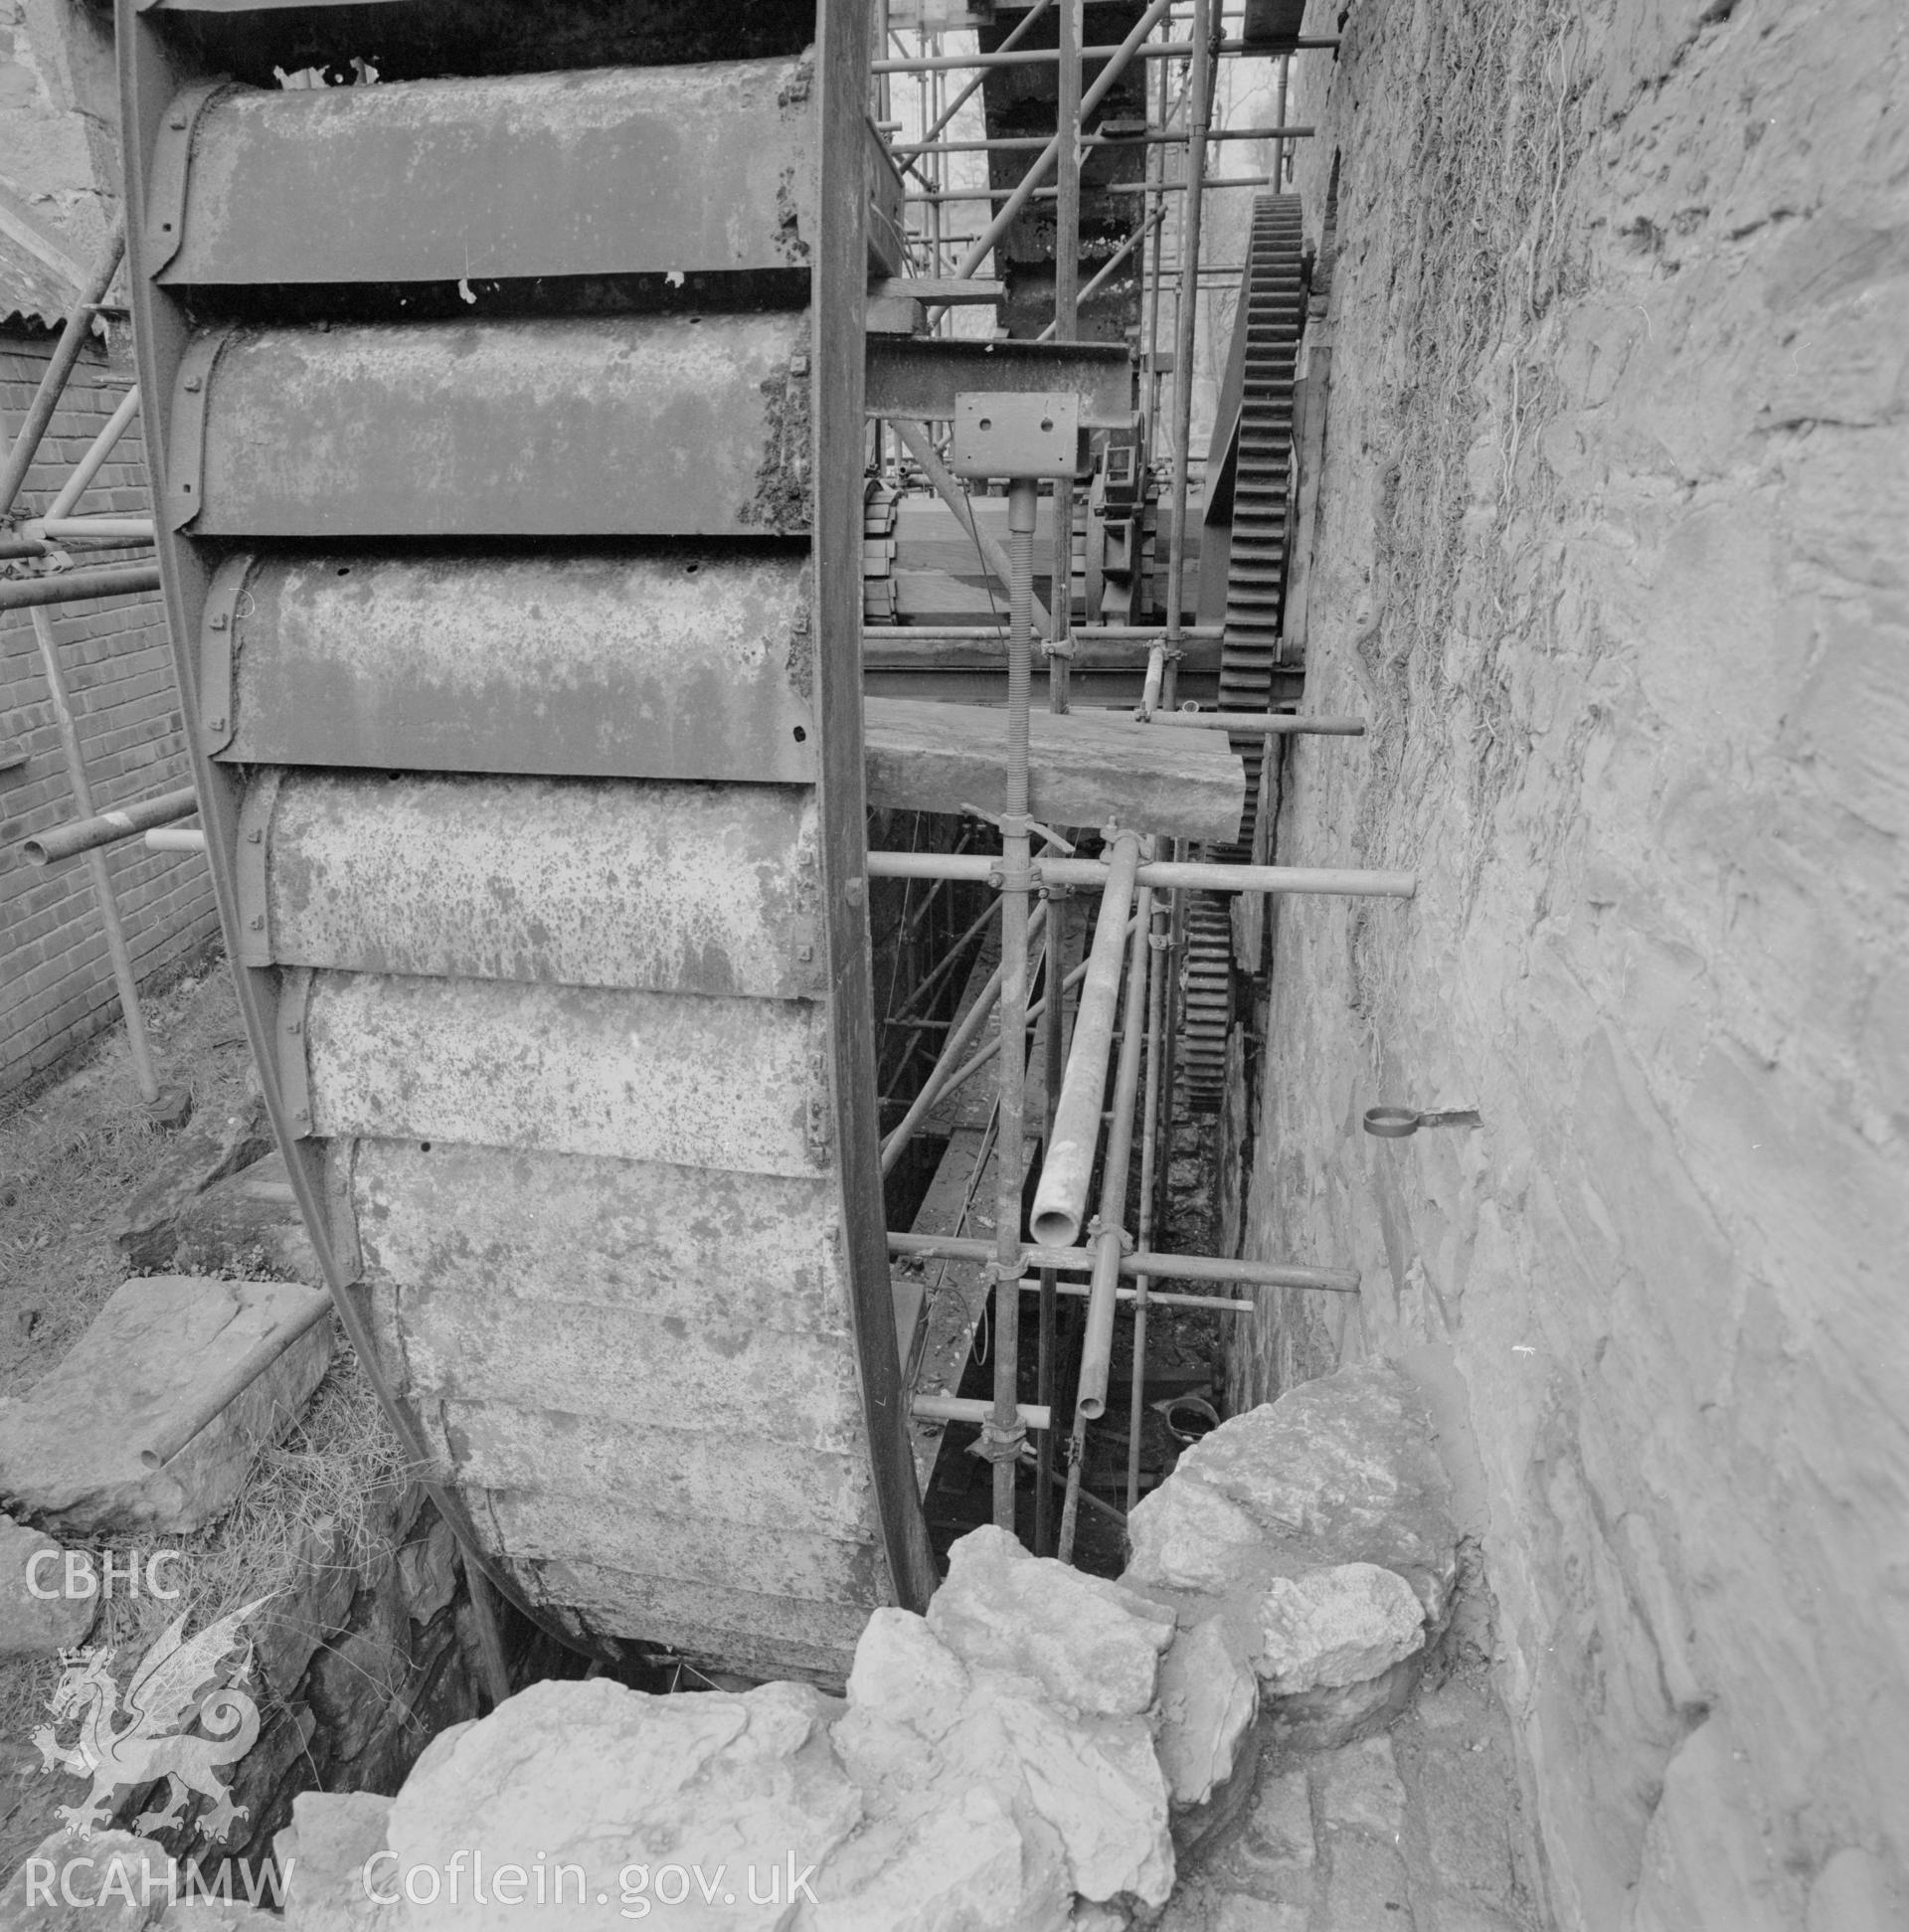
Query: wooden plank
1083	770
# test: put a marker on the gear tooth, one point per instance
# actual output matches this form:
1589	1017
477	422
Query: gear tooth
1272	315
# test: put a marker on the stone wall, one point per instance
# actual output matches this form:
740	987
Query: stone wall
1613	561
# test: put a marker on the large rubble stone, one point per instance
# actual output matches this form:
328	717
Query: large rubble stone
1337	1627
1065	1755
327	1850
109	1882
69	1450
1209	1695
31	1622
1339	1470
722	1789
1087	1642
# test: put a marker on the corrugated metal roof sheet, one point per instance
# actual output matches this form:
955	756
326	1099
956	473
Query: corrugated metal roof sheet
30	289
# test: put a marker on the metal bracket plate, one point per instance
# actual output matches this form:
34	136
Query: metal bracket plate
295	1077
171	160
1003	434
217	648
191	391
253	947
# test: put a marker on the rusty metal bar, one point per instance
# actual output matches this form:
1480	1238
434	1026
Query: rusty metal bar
65	352
1061	1199
117	948
1002	1435
1156	1266
174	841
1158	956
71	585
1097	1357
237	1380
108	828
88	466
1080	1290
959	1041
1156	872
1159	1267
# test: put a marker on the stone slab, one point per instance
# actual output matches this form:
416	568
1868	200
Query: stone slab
70	1449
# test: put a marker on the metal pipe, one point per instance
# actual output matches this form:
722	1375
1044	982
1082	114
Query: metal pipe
1027	143
958	1043
1156	872
963	1408
191	841
1158	957
108	828
71	585
934	197
1157	1266
1097	1357
92	462
238	1379
1037	169
945	964
65	352
1004	1435
117	948
961	100
1225	1303
985	1055
1150	689
1036	57
947	488
1061	1199
90	529
1269	723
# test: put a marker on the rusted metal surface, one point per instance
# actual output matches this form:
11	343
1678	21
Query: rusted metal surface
665	666
753	1631
664	888
668	1200
583	425
602	1461
919	378
676	1243
746	1377
800	1567
606	171
733	1084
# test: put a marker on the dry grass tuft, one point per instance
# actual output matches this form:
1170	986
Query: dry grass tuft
325	1492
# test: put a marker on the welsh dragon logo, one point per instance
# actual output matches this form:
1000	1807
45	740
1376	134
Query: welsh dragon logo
178	1684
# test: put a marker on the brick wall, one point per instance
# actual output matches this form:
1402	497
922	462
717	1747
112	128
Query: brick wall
56	981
